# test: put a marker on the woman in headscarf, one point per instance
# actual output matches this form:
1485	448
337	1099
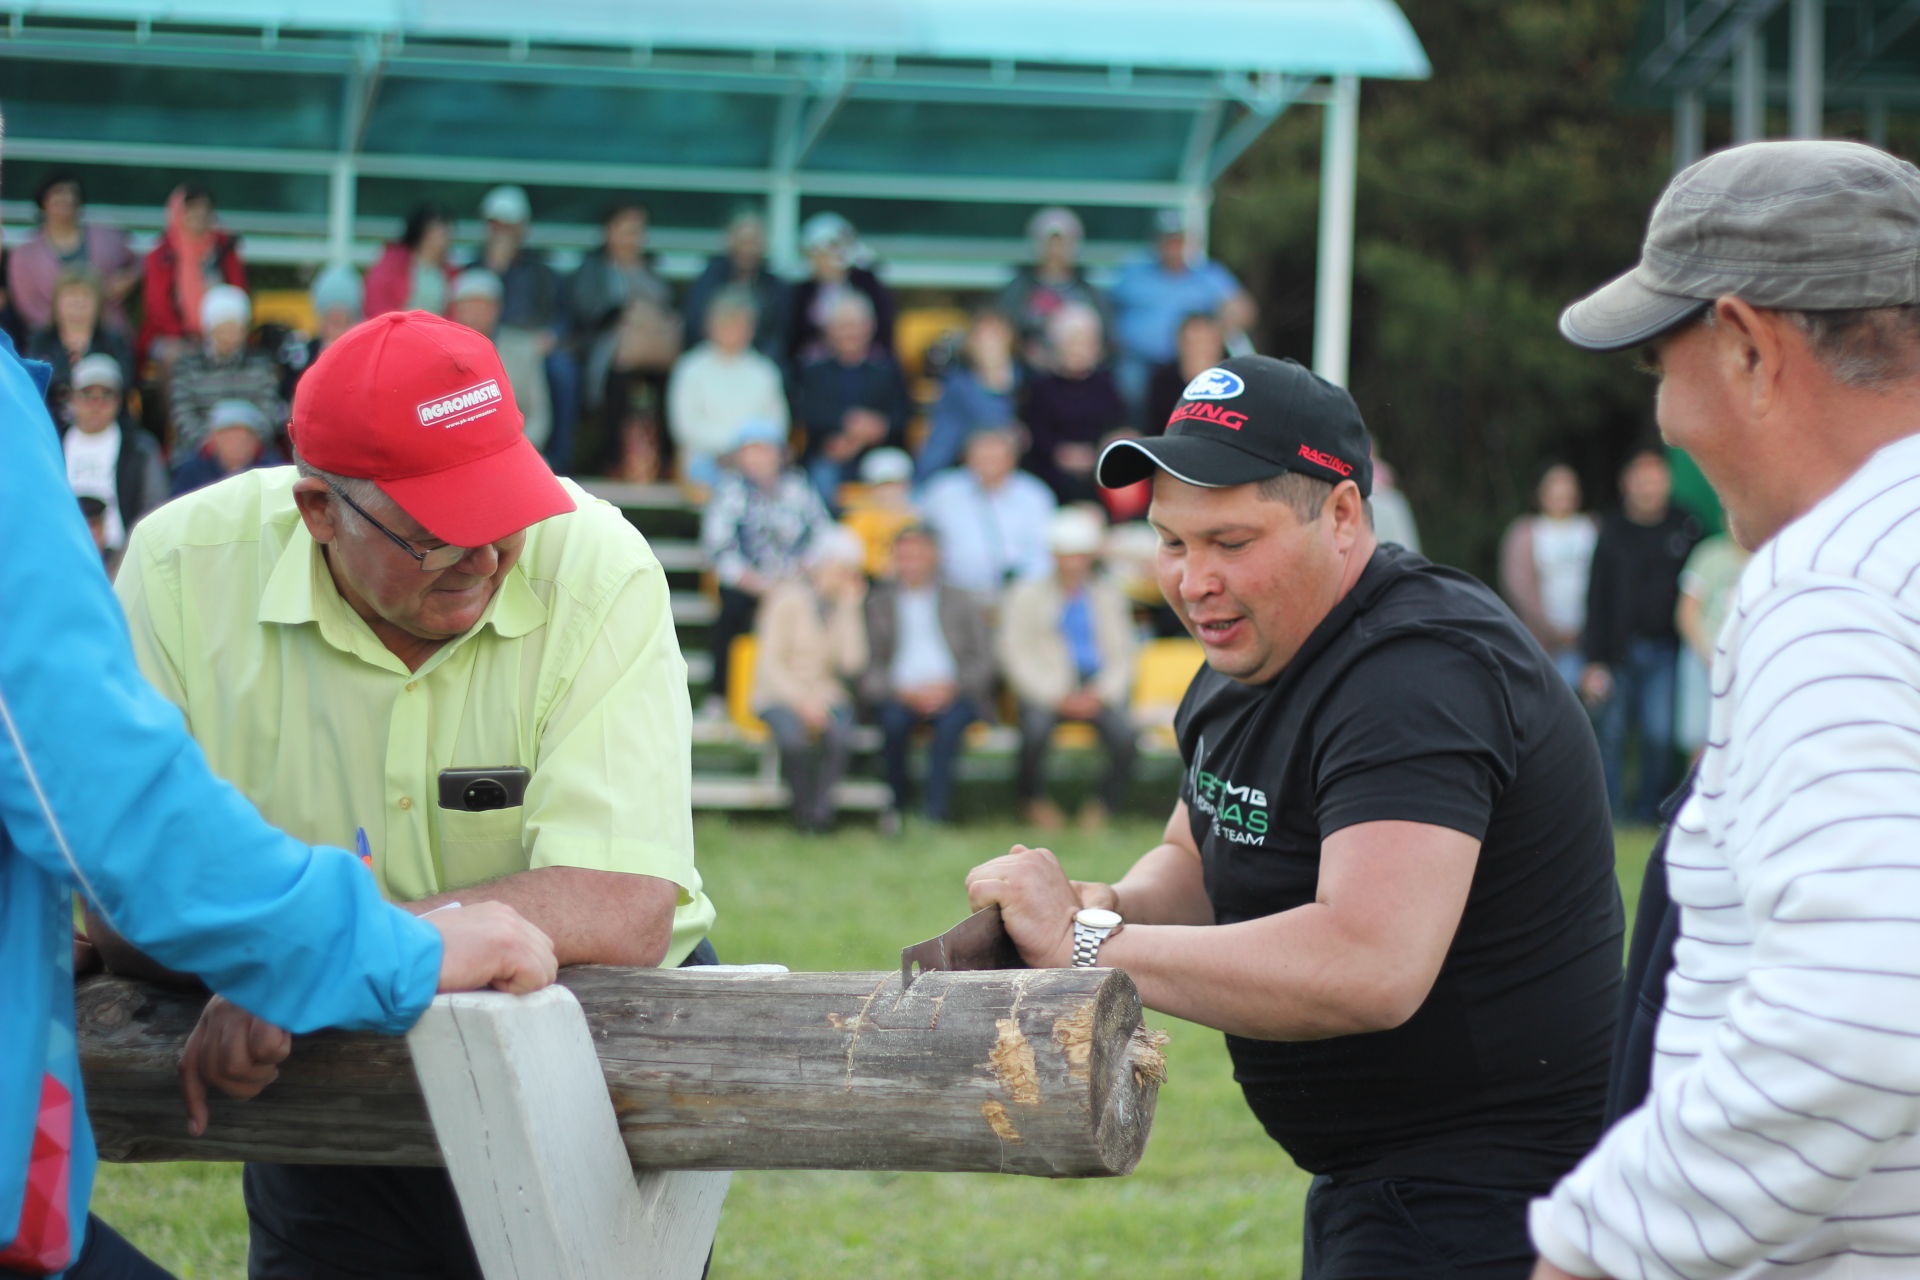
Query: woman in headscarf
193	255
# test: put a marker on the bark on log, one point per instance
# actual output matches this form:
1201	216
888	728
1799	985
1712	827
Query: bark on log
1046	1072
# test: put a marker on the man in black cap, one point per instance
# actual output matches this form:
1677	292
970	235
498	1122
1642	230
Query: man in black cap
1389	875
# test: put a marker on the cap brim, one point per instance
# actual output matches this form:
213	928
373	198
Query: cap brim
1211	464
484	500
1624	313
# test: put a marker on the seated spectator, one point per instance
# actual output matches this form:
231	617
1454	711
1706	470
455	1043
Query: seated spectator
833	255
532	312
883	508
758	524
625	338
1066	646
66	243
78	330
720	386
192	257
812	640
988	515
413	273
221	368
930	661
474	301
1200	345
1071	407
1154	294
1052	281
851	399
107	458
338	301
744	266
978	391
239	438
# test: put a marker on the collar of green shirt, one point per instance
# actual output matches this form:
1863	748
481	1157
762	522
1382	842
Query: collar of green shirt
300	589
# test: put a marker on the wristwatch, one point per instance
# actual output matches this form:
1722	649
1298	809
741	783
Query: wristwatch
1091	927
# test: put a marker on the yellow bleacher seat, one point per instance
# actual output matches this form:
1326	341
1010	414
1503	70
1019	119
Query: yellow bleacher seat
1165	669
290	307
741	656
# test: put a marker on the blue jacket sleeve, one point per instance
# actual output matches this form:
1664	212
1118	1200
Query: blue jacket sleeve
101	784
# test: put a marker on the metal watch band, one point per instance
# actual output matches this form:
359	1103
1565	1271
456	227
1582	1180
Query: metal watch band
1086	945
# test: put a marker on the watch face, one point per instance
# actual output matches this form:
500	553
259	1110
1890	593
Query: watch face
1097	918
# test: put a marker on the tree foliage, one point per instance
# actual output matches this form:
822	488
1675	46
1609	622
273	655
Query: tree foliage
1489	197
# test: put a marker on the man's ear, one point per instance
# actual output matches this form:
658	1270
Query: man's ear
1755	348
317	508
1349	511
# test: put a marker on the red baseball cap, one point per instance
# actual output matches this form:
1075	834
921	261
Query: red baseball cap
421	406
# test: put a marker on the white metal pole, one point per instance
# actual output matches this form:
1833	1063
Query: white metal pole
1689	128
1333	296
1809	63
1750	86
340	210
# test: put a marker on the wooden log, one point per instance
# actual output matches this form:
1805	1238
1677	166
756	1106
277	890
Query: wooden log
1034	1071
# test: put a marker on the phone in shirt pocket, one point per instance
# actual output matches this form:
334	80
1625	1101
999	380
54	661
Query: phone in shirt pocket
480	822
484	790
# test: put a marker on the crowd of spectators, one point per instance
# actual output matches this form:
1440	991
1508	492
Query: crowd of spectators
930	559
1627	603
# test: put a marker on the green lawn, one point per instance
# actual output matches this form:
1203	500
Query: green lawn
1212	1197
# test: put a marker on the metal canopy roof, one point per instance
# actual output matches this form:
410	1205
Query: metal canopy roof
936	127
1870	48
1755	55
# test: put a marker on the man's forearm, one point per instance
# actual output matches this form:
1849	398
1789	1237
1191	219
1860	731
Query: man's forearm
593	917
1291	976
1164	887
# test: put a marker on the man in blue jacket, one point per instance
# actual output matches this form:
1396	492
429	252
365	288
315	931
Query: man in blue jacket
103	792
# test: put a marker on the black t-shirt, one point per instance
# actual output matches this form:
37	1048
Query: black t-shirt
1420	698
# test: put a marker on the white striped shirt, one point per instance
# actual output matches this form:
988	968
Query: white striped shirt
1779	1136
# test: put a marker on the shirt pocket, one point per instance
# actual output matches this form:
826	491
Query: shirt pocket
481	846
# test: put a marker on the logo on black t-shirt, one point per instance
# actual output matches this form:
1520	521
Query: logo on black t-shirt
1239	813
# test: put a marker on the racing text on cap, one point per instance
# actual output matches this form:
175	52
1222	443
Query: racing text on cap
462	406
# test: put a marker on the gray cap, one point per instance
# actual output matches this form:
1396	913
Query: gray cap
97	370
1798	226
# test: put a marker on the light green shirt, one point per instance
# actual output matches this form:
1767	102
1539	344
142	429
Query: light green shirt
573	671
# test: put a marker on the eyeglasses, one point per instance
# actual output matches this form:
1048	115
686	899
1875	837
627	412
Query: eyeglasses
432	560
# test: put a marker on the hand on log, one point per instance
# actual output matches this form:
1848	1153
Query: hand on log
234	1052
489	944
1047	1072
1036	900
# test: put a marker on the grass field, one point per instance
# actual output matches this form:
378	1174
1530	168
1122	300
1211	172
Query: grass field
1212	1197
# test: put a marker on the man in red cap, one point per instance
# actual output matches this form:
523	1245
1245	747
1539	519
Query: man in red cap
421	639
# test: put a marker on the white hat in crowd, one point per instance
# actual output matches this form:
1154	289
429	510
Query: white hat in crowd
886	466
1074	531
826	231
238	413
837	545
224	304
97	370
475	282
507	204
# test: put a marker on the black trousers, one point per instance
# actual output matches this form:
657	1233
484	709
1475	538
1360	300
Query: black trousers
105	1256
1116	731
1406	1229
340	1222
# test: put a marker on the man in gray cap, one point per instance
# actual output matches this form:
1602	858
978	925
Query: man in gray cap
1777	294
1389	875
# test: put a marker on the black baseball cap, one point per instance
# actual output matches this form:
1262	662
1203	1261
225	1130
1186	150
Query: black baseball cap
1246	419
